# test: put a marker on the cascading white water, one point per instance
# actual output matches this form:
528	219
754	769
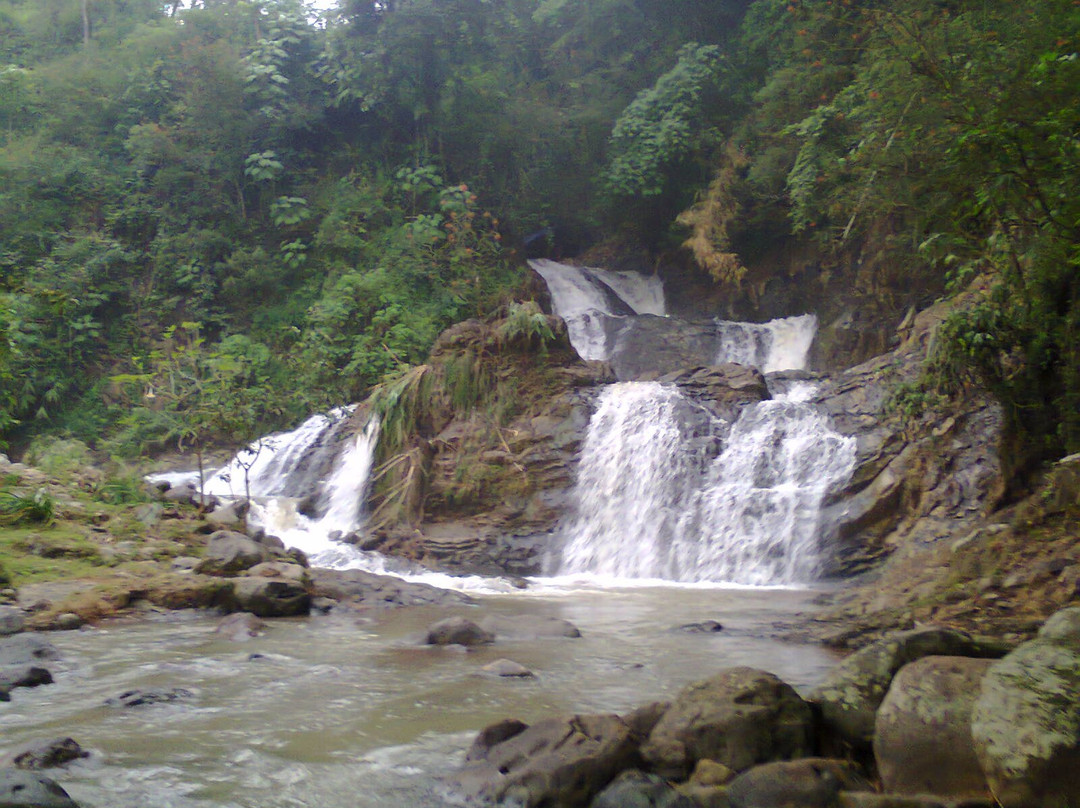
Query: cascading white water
340	502
635	475
755	519
773	346
647	506
586	298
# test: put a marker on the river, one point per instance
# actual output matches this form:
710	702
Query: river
348	711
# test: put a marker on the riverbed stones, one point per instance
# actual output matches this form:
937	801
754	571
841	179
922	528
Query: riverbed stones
922	738
852	692
740	717
44	754
12	620
557	761
458	631
24	789
1026	720
144	698
805	783
507	669
272	597
230	553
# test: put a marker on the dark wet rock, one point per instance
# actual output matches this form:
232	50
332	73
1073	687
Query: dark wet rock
458	631
704	627
142	698
555	762
380	591
739	717
529	627
642	720
47	754
23	789
806	783
22	649
710	773
271	597
508	669
852	692
229	553
12	620
650	344
635	789
240	626
25	675
1025	723
493	735
725	388
323	605
922	739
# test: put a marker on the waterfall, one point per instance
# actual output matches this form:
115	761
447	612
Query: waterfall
339	507
635	474
308	486
588	298
773	346
755	519
649	504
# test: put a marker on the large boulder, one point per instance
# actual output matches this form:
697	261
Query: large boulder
739	718
271	597
458	631
851	694
230	553
1025	723
380	591
922	740
561	762
806	783
24	789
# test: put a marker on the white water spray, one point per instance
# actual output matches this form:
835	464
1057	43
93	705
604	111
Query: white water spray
773	346
587	298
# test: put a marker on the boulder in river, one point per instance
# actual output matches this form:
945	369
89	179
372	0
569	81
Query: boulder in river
23	789
142	698
635	789
230	553
44	754
557	761
922	739
852	692
740	717
1025	723
240	626
272	597
806	783
380	591
458	631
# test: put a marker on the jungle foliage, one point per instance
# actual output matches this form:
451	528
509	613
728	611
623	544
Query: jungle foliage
244	205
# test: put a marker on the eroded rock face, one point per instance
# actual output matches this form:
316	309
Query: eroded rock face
922	739
739	717
853	691
561	762
1026	720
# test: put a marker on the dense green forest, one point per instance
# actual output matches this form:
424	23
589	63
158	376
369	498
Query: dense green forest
216	216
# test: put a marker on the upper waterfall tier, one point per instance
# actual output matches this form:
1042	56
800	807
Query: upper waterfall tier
585	298
620	317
